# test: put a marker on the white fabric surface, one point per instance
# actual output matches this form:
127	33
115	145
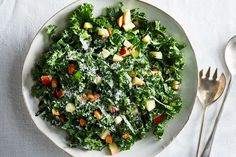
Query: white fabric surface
208	24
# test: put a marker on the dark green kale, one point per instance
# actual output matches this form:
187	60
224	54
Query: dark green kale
107	84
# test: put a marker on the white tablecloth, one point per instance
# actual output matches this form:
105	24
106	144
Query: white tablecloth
208	24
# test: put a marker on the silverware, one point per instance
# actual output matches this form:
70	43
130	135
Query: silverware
210	89
230	60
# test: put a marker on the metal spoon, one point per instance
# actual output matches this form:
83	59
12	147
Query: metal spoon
230	60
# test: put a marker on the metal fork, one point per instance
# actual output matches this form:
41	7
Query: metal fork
210	89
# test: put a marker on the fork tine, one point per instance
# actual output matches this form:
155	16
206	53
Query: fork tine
215	74
208	72
201	73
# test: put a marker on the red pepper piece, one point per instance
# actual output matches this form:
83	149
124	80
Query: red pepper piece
159	118
46	79
59	94
71	69
123	51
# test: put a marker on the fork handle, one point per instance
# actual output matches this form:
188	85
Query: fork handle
201	129
207	149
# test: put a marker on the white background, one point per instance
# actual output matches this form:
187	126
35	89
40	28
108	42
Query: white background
208	24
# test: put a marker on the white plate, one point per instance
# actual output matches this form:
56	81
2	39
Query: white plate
149	146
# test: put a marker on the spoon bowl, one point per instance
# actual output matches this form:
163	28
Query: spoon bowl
230	56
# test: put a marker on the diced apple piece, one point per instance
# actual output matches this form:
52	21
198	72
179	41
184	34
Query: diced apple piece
155	71
106	33
82	122
117	58
88	25
136	23
70	107
104	134
98	115
93	97
98	80
54	83
125	136
175	85
146	39
135	111
108	139
55	112
165	101
157	55
128	26
138	82
127	44
134	53
112	108
120	21
150	104
133	74
127	17
103	32
113	148
105	53
71	69
118	120
109	31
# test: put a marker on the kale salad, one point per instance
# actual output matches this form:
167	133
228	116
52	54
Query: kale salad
108	81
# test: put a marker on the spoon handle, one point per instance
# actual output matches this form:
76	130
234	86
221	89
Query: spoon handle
207	148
